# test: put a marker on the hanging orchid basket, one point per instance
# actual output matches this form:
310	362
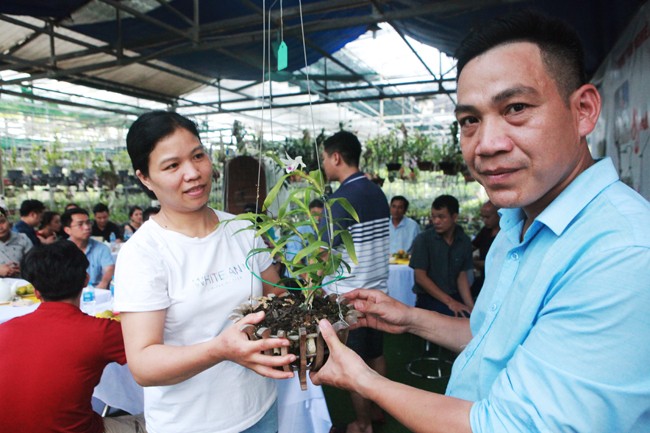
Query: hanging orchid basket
316	263
286	316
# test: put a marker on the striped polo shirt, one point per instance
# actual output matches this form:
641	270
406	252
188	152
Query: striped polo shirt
371	234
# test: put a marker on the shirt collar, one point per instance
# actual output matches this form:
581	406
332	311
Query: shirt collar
576	196
353	177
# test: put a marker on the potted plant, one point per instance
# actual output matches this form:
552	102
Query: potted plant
296	313
450	158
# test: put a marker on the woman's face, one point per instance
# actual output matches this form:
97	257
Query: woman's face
137	216
55	223
180	172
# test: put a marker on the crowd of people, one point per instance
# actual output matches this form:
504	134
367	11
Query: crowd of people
549	337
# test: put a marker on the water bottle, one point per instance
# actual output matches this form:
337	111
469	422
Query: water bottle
88	300
112	287
112	239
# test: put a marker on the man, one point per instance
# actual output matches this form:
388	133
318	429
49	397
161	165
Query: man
13	246
483	241
102	226
101	263
441	260
557	340
61	350
402	228
295	242
31	212
340	160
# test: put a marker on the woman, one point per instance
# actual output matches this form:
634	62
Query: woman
177	281
135	221
50	230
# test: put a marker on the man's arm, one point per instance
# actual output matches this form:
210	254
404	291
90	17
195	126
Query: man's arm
107	275
418	410
382	312
464	289
423	280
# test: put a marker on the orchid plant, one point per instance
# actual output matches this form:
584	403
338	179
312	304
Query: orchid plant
316	259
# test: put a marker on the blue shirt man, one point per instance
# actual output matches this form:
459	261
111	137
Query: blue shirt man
553	295
403	229
100	258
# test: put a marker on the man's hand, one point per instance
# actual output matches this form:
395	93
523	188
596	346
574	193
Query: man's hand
459	309
380	311
343	368
10	269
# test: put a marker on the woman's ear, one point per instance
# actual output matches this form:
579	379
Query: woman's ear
142	178
588	104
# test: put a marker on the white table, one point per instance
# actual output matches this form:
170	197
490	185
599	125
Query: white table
400	283
298	411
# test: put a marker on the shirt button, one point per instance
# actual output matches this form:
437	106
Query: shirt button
493	307
514	256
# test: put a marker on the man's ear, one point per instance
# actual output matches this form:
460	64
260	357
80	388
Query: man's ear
588	104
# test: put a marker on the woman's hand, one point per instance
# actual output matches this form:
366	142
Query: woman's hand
235	346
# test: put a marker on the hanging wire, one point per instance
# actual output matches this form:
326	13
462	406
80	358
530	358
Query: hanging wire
329	220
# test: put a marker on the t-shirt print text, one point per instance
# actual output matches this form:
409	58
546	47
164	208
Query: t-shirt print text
217	279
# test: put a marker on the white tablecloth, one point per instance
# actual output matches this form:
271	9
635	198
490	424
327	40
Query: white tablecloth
400	283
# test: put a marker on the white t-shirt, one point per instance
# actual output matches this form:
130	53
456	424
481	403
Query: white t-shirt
198	281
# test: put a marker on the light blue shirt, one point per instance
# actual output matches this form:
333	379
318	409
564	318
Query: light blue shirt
99	256
401	237
295	243
561	325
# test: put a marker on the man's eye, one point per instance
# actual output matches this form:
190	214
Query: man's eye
515	108
468	120
171	166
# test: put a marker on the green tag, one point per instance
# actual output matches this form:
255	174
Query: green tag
282	56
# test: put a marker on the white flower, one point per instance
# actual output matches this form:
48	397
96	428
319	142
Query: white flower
291	165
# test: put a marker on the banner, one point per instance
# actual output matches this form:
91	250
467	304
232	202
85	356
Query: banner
623	80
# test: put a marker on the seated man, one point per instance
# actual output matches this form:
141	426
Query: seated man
61	351
13	246
483	241
403	229
102	226
102	265
441	258
295	243
31	213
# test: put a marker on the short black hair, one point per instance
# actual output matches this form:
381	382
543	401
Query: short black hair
401	198
31	205
345	143
316	203
446	201
147	131
66	218
560	45
100	207
57	270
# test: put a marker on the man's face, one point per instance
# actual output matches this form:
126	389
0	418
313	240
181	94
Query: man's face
317	213
35	218
101	218
80	228
520	139
443	222
490	216
328	165
397	209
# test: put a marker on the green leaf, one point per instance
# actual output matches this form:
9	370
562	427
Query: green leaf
346	238
309	250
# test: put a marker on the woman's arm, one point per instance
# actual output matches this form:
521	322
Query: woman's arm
154	363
